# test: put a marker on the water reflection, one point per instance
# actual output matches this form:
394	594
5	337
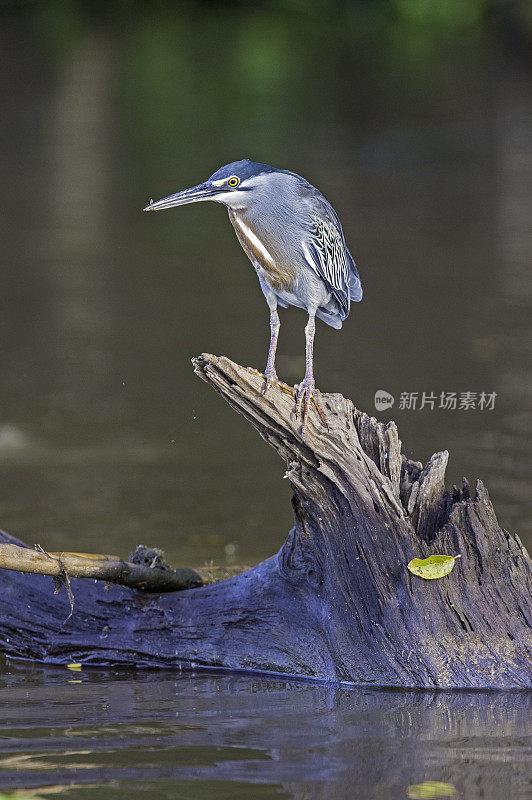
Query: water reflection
189	735
422	144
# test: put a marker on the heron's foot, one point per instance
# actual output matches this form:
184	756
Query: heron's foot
271	379
305	393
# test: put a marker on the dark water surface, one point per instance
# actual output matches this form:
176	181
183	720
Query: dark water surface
423	142
104	735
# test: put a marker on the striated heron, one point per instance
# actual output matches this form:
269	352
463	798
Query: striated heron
294	239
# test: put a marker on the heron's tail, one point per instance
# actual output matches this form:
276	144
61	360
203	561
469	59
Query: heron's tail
355	286
330	316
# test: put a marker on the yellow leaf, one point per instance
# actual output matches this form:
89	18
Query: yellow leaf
74	667
430	790
432	567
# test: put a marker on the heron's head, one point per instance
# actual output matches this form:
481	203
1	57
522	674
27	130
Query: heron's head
235	185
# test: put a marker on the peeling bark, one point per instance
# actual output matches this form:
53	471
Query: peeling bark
337	602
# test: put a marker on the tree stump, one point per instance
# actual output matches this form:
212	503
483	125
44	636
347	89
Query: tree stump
336	603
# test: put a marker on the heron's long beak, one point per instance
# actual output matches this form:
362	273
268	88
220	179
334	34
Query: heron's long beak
204	191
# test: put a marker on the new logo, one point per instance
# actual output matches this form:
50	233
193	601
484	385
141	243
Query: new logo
383	400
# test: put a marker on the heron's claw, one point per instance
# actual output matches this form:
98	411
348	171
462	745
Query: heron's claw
305	392
271	379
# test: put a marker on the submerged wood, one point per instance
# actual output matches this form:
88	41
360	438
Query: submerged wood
337	602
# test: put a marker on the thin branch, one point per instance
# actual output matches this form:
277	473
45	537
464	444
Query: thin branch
100	567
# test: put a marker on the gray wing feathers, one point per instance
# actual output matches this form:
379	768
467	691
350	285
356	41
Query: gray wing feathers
330	258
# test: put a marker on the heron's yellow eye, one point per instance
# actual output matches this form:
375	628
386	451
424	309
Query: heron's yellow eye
234	181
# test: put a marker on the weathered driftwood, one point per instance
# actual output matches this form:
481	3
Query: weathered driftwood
337	602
